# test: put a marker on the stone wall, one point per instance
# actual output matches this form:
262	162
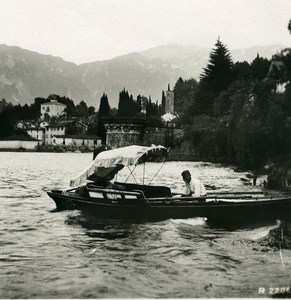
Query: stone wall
165	136
121	135
18	144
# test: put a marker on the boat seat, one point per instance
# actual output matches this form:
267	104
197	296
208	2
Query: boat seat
150	191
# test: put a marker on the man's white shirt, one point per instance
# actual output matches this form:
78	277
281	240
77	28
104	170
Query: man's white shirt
195	187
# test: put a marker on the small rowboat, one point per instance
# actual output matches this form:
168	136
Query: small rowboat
151	202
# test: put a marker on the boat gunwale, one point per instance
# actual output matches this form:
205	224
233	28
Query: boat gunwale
171	201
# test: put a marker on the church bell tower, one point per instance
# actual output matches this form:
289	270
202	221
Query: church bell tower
169	101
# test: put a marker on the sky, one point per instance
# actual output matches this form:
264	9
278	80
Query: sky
88	30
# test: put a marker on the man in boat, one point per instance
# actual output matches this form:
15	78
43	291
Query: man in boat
194	187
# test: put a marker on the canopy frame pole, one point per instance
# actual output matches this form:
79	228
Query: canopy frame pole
131	173
143	173
157	173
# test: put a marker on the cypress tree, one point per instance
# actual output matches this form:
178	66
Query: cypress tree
124	104
163	103
104	110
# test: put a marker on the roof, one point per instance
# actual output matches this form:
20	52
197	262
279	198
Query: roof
81	137
53	103
65	123
124	120
130	155
19	138
168	117
34	128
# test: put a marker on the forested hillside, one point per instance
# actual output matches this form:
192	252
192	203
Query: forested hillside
239	113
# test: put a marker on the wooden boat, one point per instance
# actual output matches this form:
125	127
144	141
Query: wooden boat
151	202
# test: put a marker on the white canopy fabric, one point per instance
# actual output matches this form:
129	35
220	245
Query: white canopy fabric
131	155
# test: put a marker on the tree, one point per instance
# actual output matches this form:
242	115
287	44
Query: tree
216	77
219	71
104	110
185	93
259	68
127	106
82	110
91	110
124	103
7	119
242	70
280	71
163	103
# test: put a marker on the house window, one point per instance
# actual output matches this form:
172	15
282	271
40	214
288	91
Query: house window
64	142
95	142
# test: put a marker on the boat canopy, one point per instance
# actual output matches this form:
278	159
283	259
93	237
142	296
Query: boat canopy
112	160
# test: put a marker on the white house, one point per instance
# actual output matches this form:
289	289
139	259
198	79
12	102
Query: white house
37	133
77	141
52	108
53	129
61	128
19	142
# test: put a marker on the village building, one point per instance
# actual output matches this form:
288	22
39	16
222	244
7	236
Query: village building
17	142
63	128
169	101
122	131
77	141
169	115
37	133
52	109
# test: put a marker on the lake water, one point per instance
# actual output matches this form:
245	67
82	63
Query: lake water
47	254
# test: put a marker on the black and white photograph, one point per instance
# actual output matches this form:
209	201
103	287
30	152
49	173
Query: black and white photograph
145	149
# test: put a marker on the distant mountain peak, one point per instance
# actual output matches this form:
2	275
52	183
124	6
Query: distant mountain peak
25	74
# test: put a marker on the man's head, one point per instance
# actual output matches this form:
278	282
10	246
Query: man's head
186	176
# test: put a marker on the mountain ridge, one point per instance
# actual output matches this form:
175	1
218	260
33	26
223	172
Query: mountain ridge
26	74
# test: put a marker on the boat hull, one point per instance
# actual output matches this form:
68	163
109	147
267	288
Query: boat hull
160	209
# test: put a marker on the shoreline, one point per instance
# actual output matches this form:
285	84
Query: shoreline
180	158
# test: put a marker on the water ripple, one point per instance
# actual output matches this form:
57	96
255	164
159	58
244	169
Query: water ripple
68	254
